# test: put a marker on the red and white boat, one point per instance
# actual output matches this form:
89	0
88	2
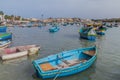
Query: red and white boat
18	51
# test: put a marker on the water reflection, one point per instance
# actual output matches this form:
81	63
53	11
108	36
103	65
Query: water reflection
86	43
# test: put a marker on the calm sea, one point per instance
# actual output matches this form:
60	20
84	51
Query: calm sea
106	67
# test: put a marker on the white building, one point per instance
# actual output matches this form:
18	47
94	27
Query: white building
2	18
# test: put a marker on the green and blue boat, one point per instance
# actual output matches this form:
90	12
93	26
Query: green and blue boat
101	30
88	33
5	36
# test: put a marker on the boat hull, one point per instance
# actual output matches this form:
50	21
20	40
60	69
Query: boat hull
13	56
88	37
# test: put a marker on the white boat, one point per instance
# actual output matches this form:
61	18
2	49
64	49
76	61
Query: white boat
18	51
5	44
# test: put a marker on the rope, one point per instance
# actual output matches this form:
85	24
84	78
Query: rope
57	75
59	56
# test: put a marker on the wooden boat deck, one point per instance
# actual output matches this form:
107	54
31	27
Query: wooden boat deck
64	64
47	66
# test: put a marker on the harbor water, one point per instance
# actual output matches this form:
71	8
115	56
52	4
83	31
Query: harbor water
106	66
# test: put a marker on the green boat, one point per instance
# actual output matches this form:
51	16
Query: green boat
5	36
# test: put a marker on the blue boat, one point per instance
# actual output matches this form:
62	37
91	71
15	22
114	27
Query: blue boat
3	29
54	29
29	24
5	36
65	24
88	33
65	63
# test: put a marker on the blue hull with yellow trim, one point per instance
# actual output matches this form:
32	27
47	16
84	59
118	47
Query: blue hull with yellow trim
65	63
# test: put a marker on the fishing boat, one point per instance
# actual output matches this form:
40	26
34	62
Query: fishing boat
5	44
18	51
29	24
65	63
5	36
3	29
64	24
109	25
54	29
101	30
116	25
88	33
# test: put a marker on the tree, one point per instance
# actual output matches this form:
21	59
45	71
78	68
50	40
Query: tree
7	17
17	17
1	13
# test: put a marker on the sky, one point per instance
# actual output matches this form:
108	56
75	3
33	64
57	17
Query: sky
92	9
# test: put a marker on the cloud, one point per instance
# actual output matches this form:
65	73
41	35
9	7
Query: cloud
62	8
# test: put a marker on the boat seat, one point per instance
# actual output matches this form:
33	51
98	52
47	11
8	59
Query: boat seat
58	67
90	52
71	62
74	61
83	60
63	65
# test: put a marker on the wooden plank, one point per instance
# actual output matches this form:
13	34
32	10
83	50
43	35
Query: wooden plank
90	52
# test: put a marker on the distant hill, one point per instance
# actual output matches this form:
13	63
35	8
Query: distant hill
108	20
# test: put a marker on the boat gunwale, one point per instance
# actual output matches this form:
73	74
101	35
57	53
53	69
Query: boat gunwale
68	69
